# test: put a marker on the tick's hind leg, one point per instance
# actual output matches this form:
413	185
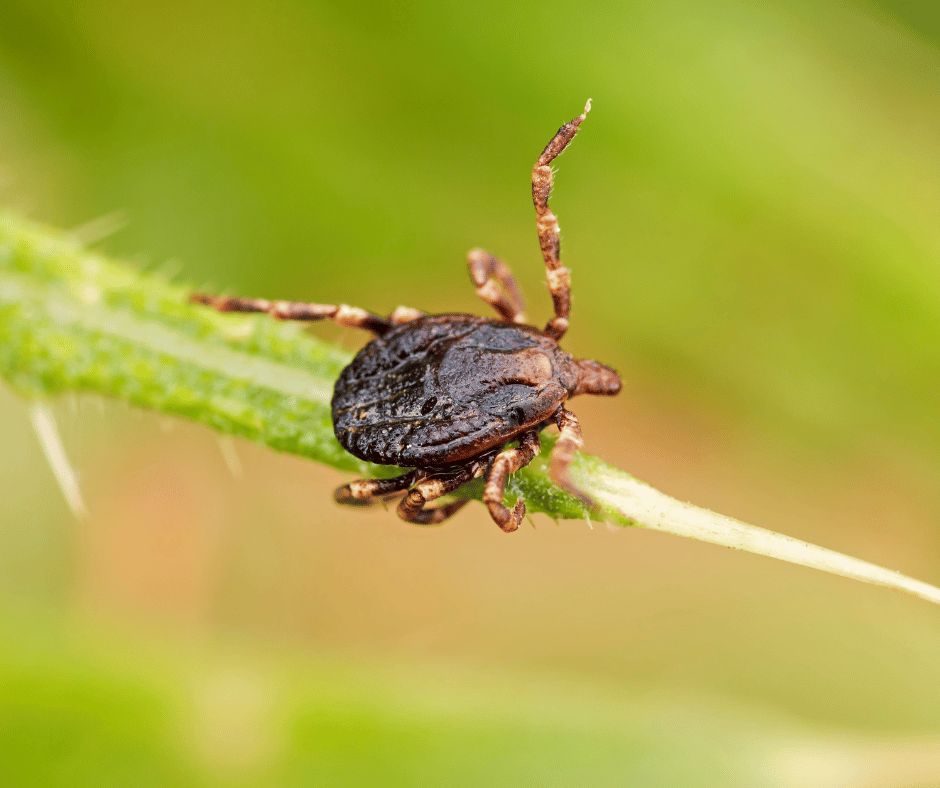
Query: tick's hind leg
559	278
486	271
412	510
343	315
366	492
568	443
506	462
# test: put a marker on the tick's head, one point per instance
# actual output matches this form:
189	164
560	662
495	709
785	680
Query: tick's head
595	378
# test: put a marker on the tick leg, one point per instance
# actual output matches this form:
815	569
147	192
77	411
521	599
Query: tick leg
295	310
559	278
412	510
432	516
506	462
567	444
486	271
366	492
404	314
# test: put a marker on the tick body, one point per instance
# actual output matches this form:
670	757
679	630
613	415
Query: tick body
445	394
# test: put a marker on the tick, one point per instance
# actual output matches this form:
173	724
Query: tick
446	394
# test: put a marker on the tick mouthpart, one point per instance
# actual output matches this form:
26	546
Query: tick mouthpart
596	378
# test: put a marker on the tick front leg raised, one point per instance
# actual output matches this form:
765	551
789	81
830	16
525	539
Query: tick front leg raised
559	278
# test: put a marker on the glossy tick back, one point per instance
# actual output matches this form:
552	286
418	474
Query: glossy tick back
445	394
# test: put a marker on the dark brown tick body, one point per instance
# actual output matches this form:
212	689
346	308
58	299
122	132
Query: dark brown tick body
445	394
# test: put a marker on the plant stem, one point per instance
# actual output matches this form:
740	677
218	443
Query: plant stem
73	321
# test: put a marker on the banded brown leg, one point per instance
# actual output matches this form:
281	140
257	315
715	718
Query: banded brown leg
412	510
559	278
487	273
366	492
569	442
343	315
505	463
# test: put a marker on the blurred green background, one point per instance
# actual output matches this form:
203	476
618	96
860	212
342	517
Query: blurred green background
750	214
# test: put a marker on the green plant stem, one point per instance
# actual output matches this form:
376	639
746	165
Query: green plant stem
72	321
